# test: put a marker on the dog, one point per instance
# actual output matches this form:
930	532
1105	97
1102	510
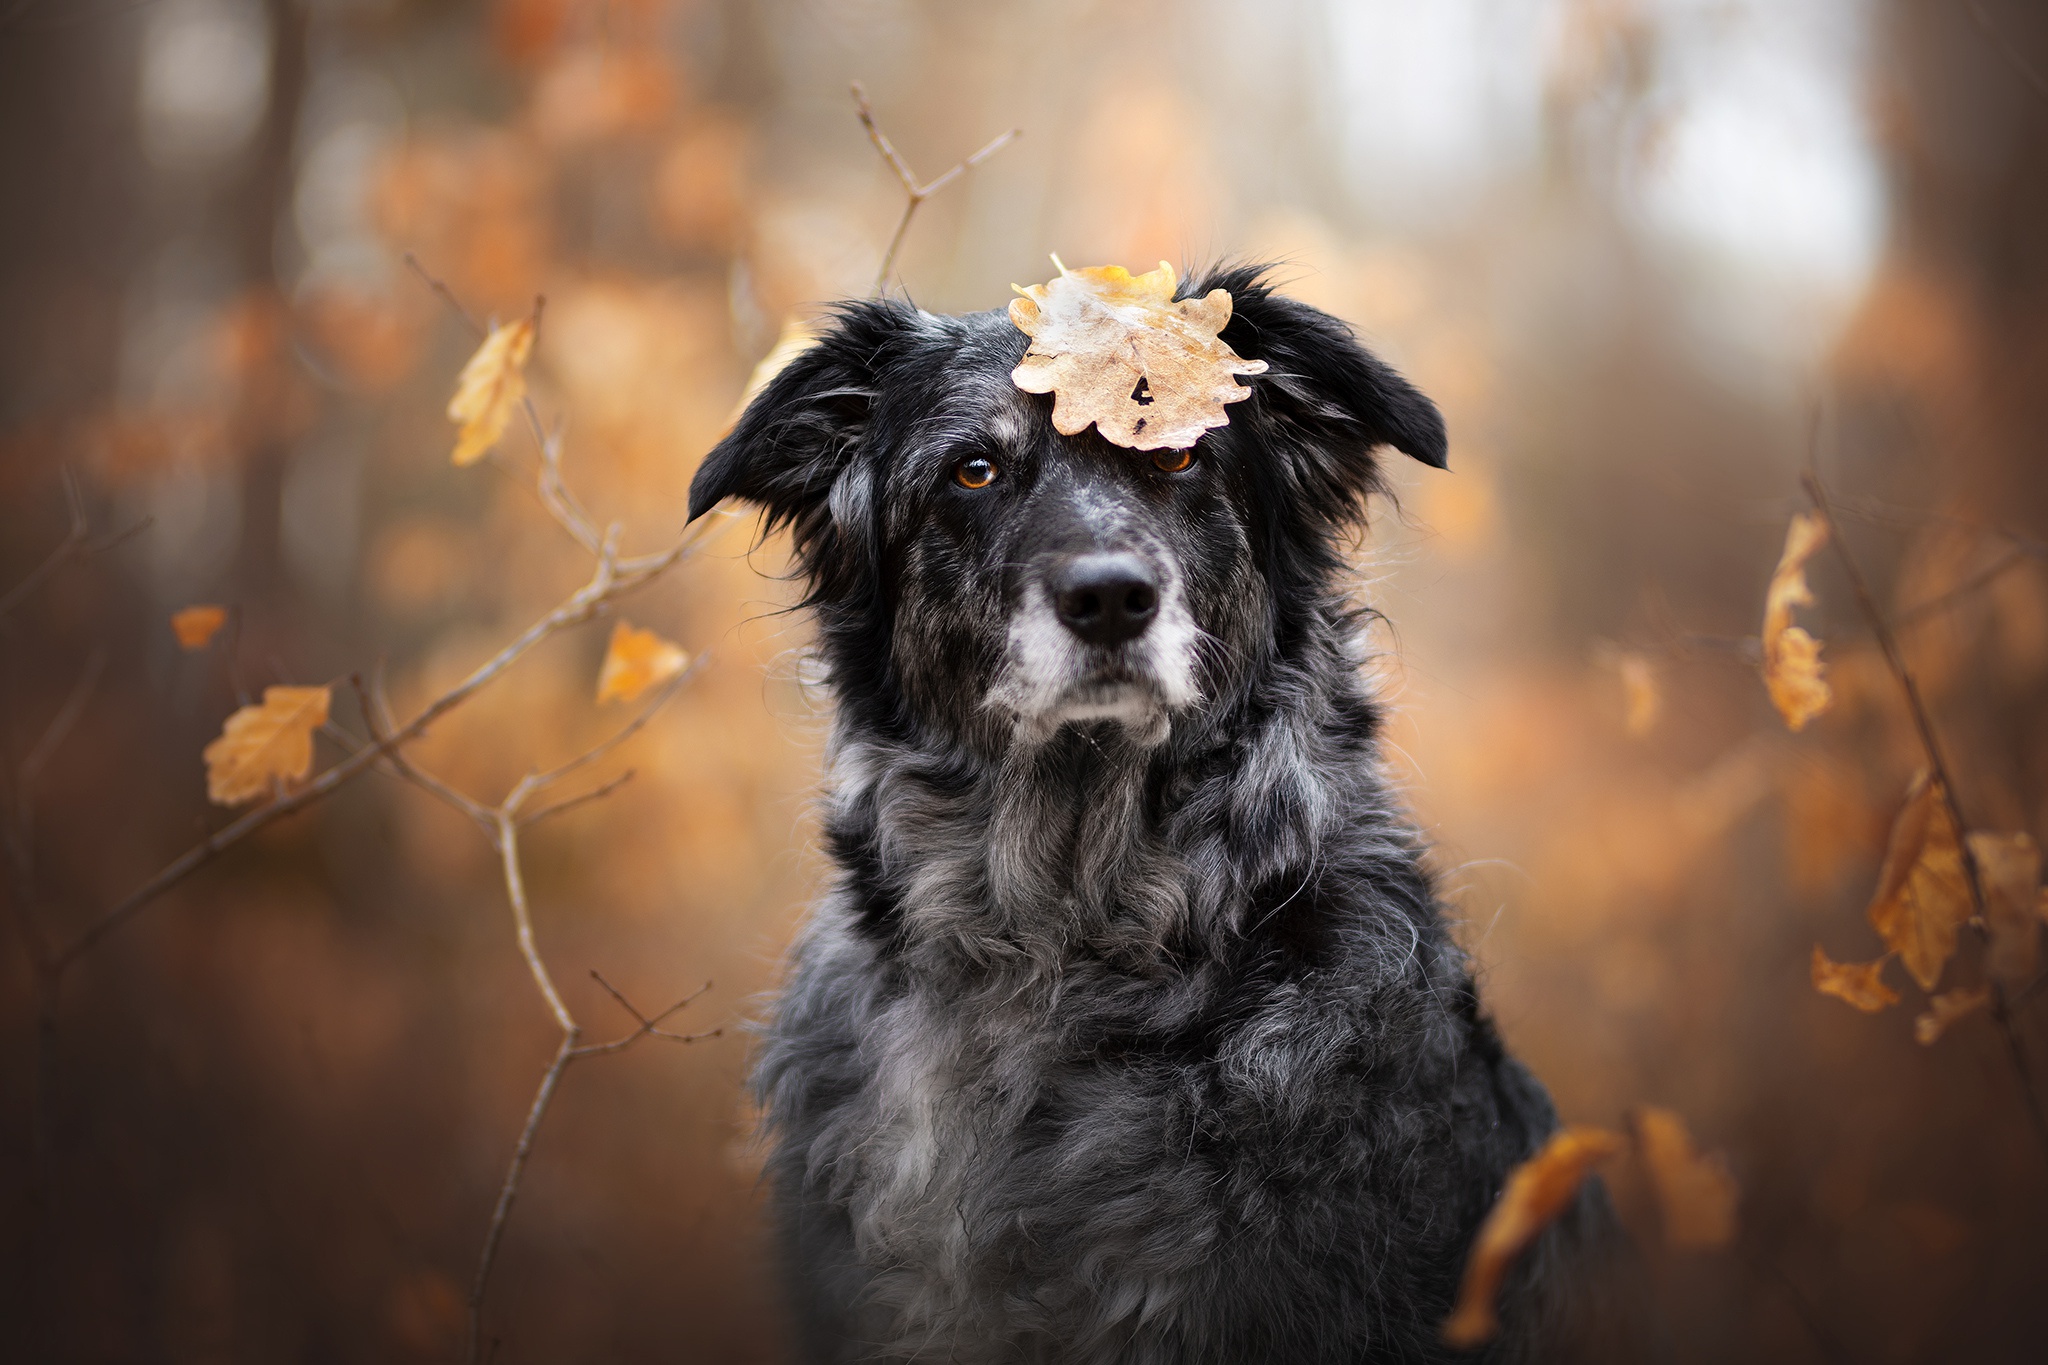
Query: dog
1130	1027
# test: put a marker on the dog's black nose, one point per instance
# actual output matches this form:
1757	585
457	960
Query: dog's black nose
1105	599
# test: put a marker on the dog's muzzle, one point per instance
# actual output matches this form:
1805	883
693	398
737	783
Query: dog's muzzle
1105	599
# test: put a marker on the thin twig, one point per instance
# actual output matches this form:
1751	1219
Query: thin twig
73	543
613	578
1823	1336
914	193
1984	577
447	295
597	793
1930	744
509	1189
2013	56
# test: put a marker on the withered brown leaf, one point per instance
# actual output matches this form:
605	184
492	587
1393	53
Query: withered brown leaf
1945	1009
1536	1192
1696	1194
1792	668
1117	350
1923	896
636	660
1859	983
266	742
489	389
196	626
2009	866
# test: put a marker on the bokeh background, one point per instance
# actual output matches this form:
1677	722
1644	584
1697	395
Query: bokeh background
1651	256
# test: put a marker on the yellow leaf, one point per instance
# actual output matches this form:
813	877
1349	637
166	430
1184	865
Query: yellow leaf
1536	1192
1696	1194
635	661
1859	983
2010	868
490	387
1792	667
1922	897
1641	698
196	626
1945	1009
1117	350
265	743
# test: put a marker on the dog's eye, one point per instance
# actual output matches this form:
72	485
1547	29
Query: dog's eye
1172	461
977	471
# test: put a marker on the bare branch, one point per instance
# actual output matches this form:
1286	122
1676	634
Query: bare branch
2014	58
60	726
73	543
597	793
1930	744
612	579
1983	578
509	1189
447	295
914	194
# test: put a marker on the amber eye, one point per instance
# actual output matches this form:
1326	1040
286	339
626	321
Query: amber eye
975	472
1172	461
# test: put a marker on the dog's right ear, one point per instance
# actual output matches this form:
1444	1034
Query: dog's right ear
801	431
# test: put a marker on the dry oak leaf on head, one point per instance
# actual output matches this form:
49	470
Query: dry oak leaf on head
1537	1191
489	389
1923	895
1860	984
1792	668
268	742
196	626
1696	1194
1118	350
636	660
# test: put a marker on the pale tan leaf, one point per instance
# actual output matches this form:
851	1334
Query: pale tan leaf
1923	895
1859	983
1536	1192
490	389
1696	1194
1945	1009
1792	668
2010	868
1117	350
196	626
265	743
635	661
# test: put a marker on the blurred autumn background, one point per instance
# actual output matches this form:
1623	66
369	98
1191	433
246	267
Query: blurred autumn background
1650	255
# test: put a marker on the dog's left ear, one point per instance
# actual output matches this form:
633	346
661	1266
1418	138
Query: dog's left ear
1320	381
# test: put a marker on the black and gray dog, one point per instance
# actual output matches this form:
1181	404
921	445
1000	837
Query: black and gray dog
1130	1029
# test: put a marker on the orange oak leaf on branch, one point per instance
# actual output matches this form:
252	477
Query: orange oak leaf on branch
196	626
1859	983
636	660
1118	350
2010	867
490	389
264	743
1945	1009
1696	1194
1537	1191
1792	667
1923	895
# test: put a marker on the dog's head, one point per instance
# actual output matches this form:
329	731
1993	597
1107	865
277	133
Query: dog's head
977	572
